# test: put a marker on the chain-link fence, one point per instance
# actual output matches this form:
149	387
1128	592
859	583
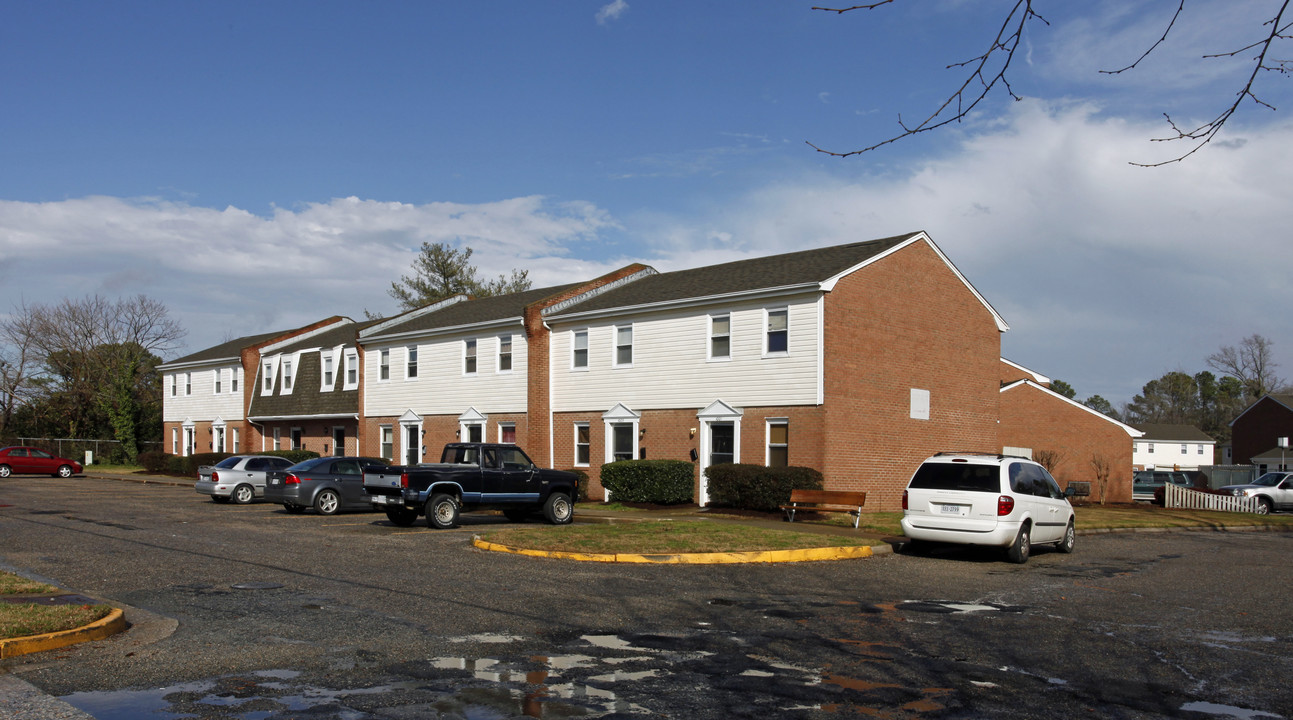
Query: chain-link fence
100	451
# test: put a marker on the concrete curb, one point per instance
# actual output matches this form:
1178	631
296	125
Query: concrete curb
768	556
114	623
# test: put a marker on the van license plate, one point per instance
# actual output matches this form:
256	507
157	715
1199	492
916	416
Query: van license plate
952	509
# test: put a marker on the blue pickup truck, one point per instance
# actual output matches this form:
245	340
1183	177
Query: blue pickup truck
472	476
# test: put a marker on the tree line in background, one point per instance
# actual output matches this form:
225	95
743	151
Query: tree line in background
86	369
1205	400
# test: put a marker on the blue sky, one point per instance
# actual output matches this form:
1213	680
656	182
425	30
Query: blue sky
257	166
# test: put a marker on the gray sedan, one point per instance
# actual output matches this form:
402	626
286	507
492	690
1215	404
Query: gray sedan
328	484
240	478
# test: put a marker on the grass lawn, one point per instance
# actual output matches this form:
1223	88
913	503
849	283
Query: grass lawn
654	537
1151	516
23	619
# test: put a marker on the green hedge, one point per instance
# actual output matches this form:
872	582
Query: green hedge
583	483
664	482
155	461
755	487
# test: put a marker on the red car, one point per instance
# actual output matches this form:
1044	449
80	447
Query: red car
35	461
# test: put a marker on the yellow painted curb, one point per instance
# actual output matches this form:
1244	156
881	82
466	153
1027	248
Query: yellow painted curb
114	623
769	556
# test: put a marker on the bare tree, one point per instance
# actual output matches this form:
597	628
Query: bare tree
1251	363
989	70
1049	459
1103	469
19	358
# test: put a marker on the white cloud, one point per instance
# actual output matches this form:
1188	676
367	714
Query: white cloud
227	273
611	11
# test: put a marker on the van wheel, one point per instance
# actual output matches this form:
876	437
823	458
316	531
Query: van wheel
1070	537
442	512
1019	549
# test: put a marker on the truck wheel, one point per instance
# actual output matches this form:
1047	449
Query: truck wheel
402	517
442	512
558	509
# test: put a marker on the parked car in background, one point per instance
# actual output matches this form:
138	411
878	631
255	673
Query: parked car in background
1274	491
240	478
994	500
328	484
1144	483
34	461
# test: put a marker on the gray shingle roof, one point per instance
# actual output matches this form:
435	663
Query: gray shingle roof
471	312
1173	433
226	350
306	399
343	334
775	271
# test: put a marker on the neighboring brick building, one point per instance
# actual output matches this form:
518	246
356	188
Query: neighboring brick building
1256	432
1037	421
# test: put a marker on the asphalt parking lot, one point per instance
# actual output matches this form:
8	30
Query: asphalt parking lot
249	612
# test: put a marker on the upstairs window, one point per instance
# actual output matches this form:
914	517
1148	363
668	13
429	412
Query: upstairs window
623	345
327	371
267	373
175	388
505	353
384	366
469	357
352	370
411	366
233	380
188	383
287	376
579	350
778	332
720	337
218	374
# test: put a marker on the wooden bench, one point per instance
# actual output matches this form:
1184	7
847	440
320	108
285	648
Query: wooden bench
826	501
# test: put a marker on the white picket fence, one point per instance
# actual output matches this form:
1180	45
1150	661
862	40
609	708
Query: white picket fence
1176	496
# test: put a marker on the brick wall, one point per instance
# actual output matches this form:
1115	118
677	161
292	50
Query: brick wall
1259	429
905	322
1032	418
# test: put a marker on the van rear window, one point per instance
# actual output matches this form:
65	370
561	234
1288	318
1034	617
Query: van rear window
957	476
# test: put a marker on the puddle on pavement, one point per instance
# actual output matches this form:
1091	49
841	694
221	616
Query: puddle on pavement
1228	711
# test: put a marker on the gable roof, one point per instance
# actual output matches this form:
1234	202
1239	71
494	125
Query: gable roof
226	351
1029	383
1285	400
449	316
1036	376
1174	433
343	332
812	270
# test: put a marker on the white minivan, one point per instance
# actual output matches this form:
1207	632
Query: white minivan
994	500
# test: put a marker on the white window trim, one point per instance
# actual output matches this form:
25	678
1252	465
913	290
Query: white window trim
575	444
384	363
175	441
383	429
326	356
615	345
269	375
413	360
175	385
767	438
500	431
291	367
216	376
278	438
767	314
475	344
234	438
351	362
188	384
498	355
710	336
235	380
587	352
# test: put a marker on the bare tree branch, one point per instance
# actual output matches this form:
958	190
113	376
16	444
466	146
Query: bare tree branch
1151	49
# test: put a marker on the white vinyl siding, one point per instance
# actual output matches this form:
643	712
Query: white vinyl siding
672	366
205	404
443	388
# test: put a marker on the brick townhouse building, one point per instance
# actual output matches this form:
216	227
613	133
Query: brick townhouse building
859	360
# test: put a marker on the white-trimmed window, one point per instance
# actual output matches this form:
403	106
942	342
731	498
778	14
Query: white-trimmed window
233	439
504	353
778	442
278	438
623	346
188	383
411	362
233	379
388	442
469	357
507	433
328	371
776	340
218	442
267	378
1200	449
623	441
217	374
175	441
287	378
1151	447
579	350
581	444
175	388
384	365
720	337
1185	449
352	370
